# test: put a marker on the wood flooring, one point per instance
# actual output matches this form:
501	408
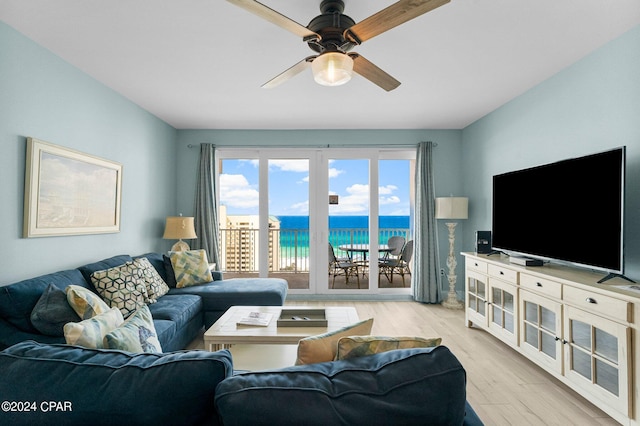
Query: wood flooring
502	386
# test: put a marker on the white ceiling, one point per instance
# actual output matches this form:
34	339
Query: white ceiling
199	64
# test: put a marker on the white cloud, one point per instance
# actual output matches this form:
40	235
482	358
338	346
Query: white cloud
384	190
386	195
301	166
235	191
300	208
389	200
357	200
334	172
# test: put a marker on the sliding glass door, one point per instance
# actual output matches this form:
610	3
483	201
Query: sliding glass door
288	223
319	218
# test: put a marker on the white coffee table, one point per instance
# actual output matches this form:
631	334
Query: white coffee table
256	347
226	331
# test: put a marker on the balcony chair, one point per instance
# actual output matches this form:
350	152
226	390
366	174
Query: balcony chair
342	266
398	265
395	244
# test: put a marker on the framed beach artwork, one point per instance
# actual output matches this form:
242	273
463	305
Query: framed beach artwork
69	193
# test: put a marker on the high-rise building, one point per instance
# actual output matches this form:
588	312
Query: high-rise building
240	242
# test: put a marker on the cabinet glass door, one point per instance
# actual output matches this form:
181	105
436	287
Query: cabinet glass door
503	310
476	299
541	330
596	355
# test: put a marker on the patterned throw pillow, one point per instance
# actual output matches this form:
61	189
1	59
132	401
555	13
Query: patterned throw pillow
52	312
136	334
90	333
356	346
86	303
190	267
155	285
323	347
121	287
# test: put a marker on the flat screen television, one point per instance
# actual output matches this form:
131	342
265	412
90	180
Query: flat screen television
570	211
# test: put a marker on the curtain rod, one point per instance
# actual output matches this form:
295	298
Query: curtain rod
435	144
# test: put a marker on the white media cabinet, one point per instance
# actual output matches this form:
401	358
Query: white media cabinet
583	333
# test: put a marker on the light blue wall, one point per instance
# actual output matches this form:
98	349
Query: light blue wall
591	106
44	97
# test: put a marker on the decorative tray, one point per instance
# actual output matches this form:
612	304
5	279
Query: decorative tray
302	318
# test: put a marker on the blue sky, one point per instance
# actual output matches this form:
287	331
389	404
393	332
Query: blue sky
289	187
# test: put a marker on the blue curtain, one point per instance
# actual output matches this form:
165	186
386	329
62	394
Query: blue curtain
426	280
206	217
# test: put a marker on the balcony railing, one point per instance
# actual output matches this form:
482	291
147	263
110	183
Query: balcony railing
288	248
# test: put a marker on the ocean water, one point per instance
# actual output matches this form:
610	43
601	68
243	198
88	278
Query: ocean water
294	230
345	222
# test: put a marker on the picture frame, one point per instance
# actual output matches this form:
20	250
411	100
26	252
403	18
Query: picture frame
68	192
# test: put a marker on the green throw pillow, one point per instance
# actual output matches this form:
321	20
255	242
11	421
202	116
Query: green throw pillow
136	334
90	332
323	347
190	267
356	346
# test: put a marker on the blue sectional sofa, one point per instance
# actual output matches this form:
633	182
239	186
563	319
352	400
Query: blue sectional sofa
178	316
44	381
45	384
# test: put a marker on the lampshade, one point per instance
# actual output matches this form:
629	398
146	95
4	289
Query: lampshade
452	208
332	68
178	228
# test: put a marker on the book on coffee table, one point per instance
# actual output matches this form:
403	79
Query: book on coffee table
261	319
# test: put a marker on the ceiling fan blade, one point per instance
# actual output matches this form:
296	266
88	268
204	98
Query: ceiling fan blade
371	72
291	72
274	17
390	17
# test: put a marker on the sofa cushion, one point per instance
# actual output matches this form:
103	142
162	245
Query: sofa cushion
323	347
18	300
179	309
190	267
166	331
101	265
408	386
90	333
155	285
110	387
355	346
221	295
136	334
85	302
122	287
52	312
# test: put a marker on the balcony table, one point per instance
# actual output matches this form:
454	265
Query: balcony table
364	249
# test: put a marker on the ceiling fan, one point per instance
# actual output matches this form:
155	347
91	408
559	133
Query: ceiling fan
332	35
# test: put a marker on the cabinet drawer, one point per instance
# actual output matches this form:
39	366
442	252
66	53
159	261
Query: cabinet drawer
504	274
476	265
541	286
617	309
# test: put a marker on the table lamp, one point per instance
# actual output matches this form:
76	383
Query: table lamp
177	228
452	208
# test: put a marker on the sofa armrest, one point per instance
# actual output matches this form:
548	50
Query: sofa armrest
106	387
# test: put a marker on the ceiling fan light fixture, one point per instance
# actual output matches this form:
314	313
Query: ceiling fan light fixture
332	68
